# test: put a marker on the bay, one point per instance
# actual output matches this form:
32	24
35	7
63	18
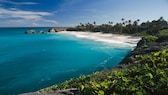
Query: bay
31	62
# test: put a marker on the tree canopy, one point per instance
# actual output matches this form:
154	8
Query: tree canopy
125	27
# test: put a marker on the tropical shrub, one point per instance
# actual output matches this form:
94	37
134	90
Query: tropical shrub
150	38
163	32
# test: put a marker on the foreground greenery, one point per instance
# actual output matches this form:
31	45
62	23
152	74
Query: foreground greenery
147	76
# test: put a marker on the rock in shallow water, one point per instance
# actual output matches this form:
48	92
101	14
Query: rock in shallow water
30	32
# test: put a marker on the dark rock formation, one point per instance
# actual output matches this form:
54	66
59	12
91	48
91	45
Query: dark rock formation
42	32
144	48
61	29
52	30
30	32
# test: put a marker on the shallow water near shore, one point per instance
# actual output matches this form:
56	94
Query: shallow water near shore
31	62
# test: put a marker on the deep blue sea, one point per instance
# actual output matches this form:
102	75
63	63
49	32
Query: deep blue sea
31	62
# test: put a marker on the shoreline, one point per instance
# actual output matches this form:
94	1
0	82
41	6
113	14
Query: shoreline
130	41
107	38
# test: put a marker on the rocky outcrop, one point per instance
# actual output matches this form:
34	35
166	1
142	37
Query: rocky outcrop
144	48
51	30
41	32
34	32
30	32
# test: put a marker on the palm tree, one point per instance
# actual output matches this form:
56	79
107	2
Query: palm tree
161	19
94	23
110	22
126	22
123	23
135	23
122	19
138	20
129	21
89	26
81	24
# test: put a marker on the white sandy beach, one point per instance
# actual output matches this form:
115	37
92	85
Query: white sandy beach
107	38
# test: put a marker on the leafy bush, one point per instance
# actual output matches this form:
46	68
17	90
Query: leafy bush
150	38
163	32
148	76
163	35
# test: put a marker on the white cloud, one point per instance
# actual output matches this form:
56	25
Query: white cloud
15	13
28	23
18	3
15	16
50	21
35	24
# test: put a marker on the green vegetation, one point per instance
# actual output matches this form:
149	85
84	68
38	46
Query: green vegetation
151	38
147	76
125	27
163	32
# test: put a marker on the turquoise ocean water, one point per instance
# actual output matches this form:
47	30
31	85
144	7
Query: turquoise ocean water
31	62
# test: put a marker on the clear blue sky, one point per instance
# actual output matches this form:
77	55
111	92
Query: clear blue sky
27	13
